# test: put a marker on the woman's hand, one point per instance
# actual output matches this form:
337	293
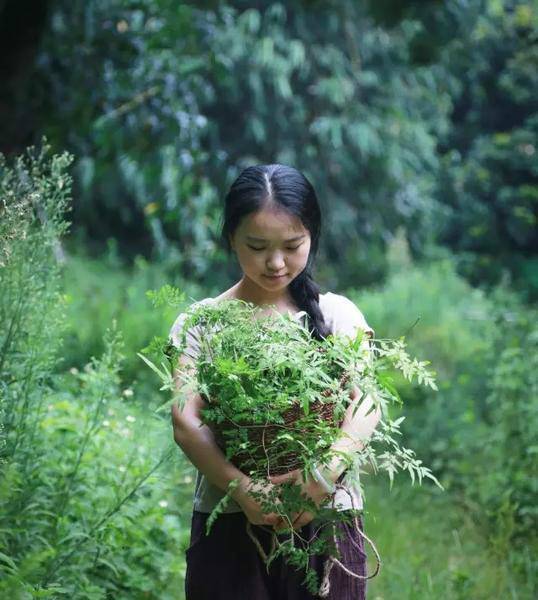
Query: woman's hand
177	421
198	443
250	506
310	488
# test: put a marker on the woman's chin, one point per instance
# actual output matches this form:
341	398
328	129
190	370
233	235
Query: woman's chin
275	281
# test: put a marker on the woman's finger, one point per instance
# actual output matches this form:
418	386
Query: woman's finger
277	479
174	410
285	521
282	524
271	519
297	518
296	521
304	518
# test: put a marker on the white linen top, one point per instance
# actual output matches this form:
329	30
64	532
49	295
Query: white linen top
343	318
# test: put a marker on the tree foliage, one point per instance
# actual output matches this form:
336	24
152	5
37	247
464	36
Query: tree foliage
163	104
419	115
489	173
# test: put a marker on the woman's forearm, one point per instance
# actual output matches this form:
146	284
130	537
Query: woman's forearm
197	440
356	429
198	443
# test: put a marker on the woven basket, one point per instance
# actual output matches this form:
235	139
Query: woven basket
263	436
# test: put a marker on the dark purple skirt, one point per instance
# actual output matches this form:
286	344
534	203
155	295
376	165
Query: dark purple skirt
226	565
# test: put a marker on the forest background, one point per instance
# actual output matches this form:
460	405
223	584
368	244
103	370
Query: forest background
417	124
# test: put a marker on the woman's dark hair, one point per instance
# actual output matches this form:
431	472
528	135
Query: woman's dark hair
262	186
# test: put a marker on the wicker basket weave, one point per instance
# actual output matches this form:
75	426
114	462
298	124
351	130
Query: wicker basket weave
263	437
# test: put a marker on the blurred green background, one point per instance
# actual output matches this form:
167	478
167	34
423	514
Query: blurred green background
417	124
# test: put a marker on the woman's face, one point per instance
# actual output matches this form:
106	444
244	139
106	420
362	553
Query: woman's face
271	242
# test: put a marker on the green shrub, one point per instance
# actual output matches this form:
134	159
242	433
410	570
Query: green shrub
34	193
478	431
87	510
499	473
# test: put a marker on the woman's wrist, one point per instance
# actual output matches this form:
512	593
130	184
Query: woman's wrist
323	479
332	472
240	493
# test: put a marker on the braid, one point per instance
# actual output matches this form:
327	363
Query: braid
305	292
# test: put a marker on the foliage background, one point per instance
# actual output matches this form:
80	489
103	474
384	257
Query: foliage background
416	122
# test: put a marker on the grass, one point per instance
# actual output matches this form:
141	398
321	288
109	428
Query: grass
431	549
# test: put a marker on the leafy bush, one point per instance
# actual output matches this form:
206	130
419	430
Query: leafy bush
500	481
477	431
86	511
92	516
34	194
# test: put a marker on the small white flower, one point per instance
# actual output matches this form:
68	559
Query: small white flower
187	479
111	412
50	406
106	423
73	371
163	503
128	392
130	418
122	469
126	432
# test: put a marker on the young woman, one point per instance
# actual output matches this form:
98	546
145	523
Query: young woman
272	223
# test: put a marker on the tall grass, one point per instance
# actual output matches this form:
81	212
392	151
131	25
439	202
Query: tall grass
430	548
479	431
94	501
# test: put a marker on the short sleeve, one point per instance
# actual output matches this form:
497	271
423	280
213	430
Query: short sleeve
192	348
194	334
348	318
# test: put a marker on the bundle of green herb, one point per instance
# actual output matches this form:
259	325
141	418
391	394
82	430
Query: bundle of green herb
275	399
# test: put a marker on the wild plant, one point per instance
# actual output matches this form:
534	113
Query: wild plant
79	495
34	195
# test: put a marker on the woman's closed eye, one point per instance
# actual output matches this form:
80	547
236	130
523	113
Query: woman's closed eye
260	249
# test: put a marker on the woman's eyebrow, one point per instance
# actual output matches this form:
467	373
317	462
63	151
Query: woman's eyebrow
256	239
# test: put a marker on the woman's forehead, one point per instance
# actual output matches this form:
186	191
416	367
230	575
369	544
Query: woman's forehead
269	224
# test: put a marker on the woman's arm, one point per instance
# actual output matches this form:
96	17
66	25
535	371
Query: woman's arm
198	443
357	430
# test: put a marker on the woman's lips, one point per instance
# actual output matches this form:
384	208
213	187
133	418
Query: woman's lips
275	277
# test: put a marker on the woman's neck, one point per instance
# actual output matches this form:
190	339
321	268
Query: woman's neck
246	291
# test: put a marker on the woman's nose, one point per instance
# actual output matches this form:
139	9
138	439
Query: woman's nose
275	262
